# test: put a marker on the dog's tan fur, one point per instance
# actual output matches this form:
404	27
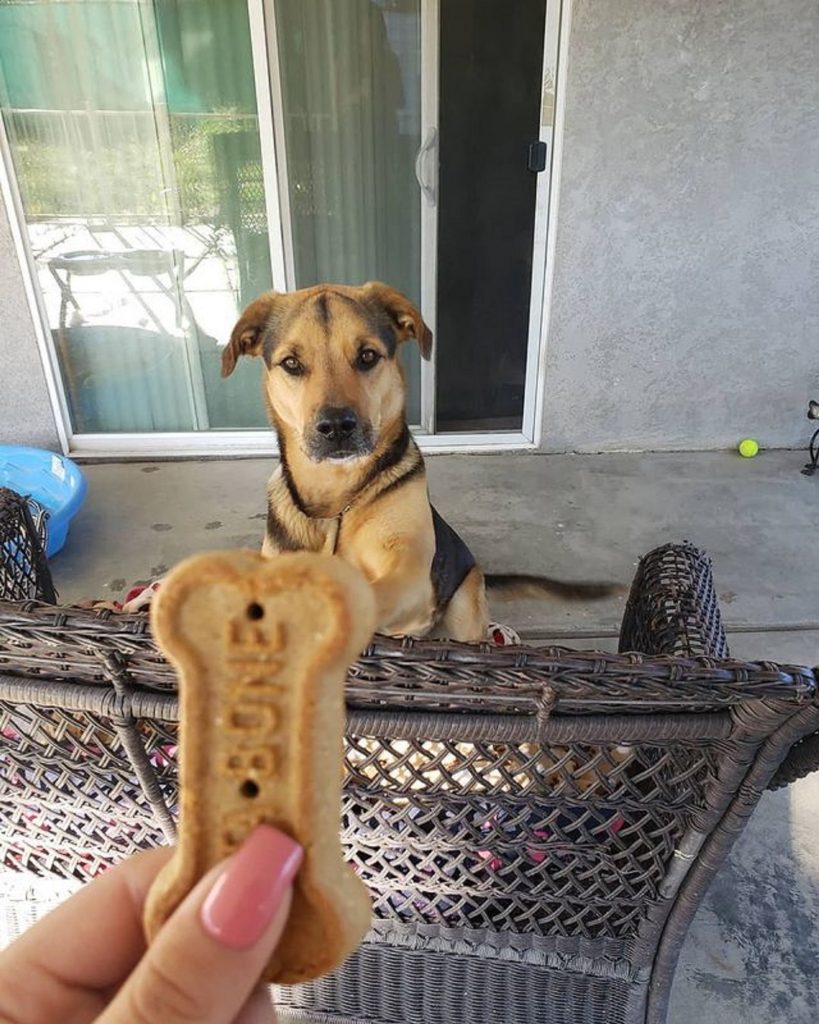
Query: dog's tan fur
372	507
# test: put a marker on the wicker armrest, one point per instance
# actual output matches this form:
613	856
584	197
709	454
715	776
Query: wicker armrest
801	760
24	572
672	607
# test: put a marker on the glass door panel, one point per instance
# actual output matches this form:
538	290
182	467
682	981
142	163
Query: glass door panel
491	68
134	138
350	74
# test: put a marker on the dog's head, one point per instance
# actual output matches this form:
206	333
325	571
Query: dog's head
333	381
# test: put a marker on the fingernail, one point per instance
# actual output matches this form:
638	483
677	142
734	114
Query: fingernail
246	896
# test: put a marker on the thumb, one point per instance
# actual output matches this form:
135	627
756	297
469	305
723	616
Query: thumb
207	958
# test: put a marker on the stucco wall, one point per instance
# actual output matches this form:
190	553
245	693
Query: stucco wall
686	291
25	412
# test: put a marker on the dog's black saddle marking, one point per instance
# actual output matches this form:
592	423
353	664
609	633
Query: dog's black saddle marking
451	563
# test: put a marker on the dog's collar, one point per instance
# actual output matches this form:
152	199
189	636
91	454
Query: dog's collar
332	549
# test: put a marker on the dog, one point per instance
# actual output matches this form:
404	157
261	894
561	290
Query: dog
351	480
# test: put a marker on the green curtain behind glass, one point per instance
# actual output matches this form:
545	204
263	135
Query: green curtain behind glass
351	86
38	75
204	50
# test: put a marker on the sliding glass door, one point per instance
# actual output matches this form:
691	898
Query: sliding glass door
189	153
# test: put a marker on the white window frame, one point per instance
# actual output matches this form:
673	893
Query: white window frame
255	443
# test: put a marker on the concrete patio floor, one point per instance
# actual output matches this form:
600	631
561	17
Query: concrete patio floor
571	516
751	955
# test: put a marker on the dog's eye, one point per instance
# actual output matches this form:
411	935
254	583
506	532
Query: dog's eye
292	366
367	358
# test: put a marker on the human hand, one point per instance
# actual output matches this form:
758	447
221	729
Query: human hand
86	961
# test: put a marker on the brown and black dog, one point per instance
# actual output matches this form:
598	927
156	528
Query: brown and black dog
351	480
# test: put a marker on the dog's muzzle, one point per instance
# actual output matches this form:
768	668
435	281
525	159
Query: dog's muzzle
338	433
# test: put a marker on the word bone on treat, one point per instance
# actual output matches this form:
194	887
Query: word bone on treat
262	647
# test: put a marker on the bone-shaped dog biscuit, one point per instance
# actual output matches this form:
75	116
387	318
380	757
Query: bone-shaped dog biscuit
261	647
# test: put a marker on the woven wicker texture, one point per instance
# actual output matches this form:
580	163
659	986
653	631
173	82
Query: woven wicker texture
536	826
570	841
439	988
24	572
673	607
802	760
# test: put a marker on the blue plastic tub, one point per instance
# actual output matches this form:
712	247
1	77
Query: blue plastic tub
52	480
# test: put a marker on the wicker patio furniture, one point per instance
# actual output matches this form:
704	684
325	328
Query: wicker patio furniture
24	572
537	826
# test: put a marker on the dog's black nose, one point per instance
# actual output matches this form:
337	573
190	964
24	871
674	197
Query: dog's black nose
336	424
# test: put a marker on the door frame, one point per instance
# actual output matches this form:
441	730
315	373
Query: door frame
269	106
430	81
552	109
270	109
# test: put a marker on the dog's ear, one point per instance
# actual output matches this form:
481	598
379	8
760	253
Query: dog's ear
253	326
406	318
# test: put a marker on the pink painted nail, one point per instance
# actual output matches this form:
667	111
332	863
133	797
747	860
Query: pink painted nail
246	896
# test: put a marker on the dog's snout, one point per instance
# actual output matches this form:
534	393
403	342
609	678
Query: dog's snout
338	432
336	424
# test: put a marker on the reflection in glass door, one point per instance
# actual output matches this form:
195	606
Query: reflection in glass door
138	162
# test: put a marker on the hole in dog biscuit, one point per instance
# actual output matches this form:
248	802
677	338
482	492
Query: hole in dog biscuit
255	611
249	788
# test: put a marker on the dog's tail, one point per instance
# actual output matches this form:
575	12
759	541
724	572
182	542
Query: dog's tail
524	585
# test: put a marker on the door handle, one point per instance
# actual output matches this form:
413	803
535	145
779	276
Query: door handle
429	145
537	157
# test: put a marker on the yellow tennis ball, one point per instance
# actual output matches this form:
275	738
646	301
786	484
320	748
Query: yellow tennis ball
748	448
